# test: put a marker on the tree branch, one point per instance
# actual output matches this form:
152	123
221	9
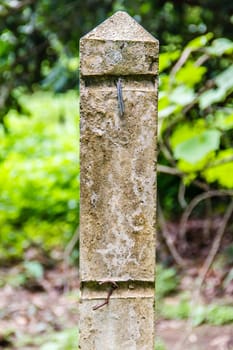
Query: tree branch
215	246
173	171
168	170
167	238
181	194
195	201
183	58
70	246
219	162
200	279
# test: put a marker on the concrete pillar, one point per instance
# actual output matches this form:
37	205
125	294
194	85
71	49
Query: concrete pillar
118	104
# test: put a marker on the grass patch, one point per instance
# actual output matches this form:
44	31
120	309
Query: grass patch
213	314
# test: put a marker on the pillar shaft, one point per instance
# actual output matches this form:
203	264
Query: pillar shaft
118	100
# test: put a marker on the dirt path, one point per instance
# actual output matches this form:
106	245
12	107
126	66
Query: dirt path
39	308
204	337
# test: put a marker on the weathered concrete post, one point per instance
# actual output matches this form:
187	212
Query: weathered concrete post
119	67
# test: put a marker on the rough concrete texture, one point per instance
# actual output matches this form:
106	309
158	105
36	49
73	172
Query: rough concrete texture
119	46
125	324
118	184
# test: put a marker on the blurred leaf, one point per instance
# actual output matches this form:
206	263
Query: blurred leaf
190	74
180	310
211	96
223	119
56	79
183	309
34	269
65	340
219	314
145	8
224	87
198	315
166	281
159	345
220	173
220	46
166	59
229	254
199	42
165	112
224	79
182	95
39	155
229	278
197	147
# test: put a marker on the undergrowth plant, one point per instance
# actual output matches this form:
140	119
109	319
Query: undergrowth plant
39	174
196	118
214	314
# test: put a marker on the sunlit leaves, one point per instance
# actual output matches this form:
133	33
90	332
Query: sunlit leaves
224	86
210	97
63	340
185	131
222	119
7	40
213	313
221	169
39	174
197	147
196	111
166	59
220	46
66	339
192	142
199	42
190	74
145	8
224	79
182	95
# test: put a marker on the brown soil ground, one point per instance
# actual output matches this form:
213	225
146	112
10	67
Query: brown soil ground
204	337
50	305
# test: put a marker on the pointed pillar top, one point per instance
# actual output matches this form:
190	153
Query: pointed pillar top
120	26
119	46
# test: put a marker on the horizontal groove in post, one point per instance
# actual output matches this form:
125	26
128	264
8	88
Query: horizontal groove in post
132	82
100	283
117	296
129	289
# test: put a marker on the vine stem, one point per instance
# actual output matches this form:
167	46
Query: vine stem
203	273
215	246
196	200
176	256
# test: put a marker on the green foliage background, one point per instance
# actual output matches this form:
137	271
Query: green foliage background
39	174
39	147
39	135
196	111
39	38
